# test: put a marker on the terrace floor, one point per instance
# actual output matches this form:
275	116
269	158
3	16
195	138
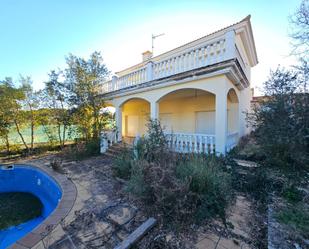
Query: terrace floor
103	214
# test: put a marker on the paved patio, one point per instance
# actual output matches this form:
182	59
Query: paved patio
103	216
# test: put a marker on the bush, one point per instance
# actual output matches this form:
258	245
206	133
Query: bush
281	121
248	149
82	149
176	187
210	181
296	217
122	164
137	184
152	147
292	194
164	194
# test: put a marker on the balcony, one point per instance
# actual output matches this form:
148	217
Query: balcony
199	54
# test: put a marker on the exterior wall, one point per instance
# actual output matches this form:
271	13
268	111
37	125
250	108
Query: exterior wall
232	116
228	116
244	56
182	111
135	109
213	85
244	107
244	97
215	63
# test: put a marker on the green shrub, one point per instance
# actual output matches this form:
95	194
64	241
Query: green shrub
153	146
122	164
280	121
82	149
292	194
210	181
296	217
164	194
173	186
248	149
137	184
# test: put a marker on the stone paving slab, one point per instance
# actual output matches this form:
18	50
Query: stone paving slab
99	217
43	230
239	217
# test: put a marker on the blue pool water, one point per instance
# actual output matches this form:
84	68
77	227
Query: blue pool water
24	178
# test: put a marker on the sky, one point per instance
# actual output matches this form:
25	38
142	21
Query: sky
36	35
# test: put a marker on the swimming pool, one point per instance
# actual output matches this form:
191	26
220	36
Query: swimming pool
23	178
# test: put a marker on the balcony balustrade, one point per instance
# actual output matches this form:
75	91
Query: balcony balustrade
189	58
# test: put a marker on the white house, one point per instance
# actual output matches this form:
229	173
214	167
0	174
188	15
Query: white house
199	91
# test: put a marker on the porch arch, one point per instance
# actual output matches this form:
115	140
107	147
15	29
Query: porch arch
135	114
232	119
188	110
203	87
130	98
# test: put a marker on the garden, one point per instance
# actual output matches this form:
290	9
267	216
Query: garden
255	196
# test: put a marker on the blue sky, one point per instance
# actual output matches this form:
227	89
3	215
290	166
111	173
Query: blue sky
36	35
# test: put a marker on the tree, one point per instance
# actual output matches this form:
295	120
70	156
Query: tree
30	104
56	99
83	79
5	111
281	123
11	108
300	30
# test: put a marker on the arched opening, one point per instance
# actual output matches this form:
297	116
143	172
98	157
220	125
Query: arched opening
188	111
232	112
108	115
135	114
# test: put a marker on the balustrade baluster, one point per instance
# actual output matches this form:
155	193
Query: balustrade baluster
195	144
208	54
196	56
160	70
174	65
211	144
202	57
167	68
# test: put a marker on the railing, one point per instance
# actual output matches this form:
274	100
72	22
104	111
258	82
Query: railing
191	143
134	78
108	138
107	87
201	56
192	56
232	140
241	62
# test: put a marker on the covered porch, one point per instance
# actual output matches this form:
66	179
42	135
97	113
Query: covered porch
194	120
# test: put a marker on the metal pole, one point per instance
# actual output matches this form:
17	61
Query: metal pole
152	40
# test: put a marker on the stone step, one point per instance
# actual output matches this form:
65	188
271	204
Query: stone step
246	164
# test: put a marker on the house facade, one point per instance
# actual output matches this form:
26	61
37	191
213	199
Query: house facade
199	91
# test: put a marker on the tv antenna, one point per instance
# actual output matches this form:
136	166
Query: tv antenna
152	40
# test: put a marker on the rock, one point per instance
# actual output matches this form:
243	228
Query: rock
121	215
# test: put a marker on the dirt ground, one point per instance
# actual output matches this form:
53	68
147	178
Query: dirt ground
104	215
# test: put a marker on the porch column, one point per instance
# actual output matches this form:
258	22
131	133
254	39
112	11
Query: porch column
154	110
118	117
221	121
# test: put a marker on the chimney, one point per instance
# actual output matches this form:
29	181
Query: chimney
147	55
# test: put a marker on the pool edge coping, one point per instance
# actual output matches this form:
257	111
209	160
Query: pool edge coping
65	205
